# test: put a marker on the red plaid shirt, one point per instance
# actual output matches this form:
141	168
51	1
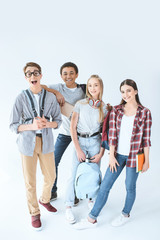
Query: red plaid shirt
140	135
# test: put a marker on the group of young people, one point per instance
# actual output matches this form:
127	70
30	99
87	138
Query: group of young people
36	112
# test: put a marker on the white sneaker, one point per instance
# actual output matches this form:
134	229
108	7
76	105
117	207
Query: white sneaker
69	216
84	224
90	205
120	220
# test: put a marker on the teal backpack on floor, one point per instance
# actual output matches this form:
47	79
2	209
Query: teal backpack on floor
88	180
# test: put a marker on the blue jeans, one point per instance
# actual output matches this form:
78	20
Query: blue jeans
107	183
90	146
61	144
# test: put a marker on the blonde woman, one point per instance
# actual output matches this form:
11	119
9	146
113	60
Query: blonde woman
86	122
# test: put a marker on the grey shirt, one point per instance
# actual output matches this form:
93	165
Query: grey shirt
88	117
22	110
71	96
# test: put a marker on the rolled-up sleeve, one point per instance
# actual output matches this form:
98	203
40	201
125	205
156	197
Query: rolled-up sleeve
16	115
56	113
55	87
146	142
112	128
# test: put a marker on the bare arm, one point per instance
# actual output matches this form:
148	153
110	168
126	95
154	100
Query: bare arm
58	95
146	157
49	89
74	120
112	160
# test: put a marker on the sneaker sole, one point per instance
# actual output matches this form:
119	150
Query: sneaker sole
71	222
54	213
53	199
36	229
75	204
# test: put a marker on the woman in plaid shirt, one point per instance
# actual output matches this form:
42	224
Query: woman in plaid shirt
129	134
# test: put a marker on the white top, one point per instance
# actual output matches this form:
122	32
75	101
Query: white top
88	117
71	89
37	96
71	95
125	135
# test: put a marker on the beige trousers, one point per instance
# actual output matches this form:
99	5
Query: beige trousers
29	164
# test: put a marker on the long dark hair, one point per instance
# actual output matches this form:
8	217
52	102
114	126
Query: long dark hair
131	83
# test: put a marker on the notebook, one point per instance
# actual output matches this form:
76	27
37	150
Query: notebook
139	161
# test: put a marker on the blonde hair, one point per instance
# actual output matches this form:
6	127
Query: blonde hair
89	96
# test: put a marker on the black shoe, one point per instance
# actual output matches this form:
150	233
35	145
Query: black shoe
76	201
53	196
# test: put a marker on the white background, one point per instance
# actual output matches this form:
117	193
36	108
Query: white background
116	39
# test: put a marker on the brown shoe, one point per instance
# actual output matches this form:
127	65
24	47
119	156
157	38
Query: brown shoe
49	207
36	222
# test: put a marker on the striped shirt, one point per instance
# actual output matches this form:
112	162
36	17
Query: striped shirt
141	132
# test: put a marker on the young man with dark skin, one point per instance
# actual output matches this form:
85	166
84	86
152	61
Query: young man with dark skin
70	92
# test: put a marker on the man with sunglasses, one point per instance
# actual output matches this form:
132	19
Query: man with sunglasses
34	114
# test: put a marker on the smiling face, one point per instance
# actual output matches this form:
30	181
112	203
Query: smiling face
69	76
94	88
33	76
128	93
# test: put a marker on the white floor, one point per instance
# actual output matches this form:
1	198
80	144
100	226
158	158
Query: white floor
15	219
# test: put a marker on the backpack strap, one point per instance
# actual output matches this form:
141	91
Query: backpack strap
33	106
105	132
32	103
83	87
42	107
